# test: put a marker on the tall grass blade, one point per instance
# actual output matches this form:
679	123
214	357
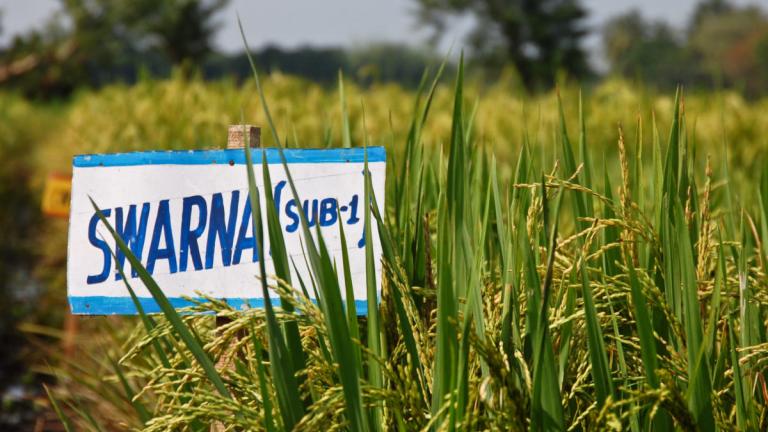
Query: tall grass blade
281	361
699	387
546	405
349	293
266	400
644	325
601	370
57	409
375	341
279	255
451	208
173	317
141	410
342	345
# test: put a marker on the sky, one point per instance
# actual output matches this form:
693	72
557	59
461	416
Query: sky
292	23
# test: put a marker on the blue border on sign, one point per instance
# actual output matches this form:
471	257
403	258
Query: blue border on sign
102	305
229	156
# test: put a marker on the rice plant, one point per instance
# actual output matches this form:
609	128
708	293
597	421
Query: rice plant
569	290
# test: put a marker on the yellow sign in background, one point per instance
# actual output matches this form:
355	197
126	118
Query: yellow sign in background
56	193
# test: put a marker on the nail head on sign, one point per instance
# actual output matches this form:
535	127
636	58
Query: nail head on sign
235	138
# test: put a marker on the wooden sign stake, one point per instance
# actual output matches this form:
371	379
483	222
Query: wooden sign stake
235	140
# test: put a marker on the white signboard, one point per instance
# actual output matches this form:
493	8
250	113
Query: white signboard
186	216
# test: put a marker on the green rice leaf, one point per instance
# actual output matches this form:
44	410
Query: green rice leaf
170	313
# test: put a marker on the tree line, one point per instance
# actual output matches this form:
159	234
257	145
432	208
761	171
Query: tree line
94	42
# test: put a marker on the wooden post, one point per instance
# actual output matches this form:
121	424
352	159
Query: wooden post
235	136
70	334
235	140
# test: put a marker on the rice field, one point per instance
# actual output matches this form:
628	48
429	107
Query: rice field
556	262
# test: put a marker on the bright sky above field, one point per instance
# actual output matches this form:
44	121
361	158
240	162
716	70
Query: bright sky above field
292	23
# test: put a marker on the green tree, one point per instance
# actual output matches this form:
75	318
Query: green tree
98	41
726	41
539	38
708	8
651	51
723	45
180	29
761	56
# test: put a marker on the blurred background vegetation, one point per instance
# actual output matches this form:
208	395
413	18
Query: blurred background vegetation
107	76
92	43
